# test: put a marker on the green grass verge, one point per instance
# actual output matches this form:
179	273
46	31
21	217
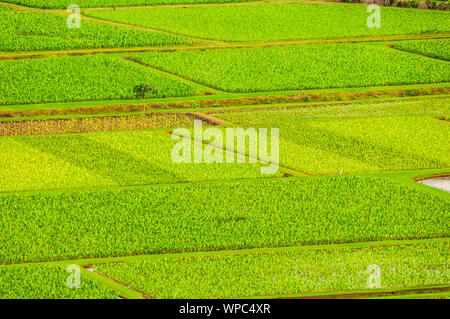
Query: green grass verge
282	21
47	282
186	218
83	78
301	67
359	145
283	273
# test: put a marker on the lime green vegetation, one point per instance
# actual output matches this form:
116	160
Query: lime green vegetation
423	107
102	159
209	216
285	21
62	4
284	273
30	31
4	8
46	282
98	77
365	145
302	67
439	49
360	145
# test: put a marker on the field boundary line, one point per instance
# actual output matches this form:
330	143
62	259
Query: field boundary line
226	96
359	293
193	5
130	187
196	46
237	252
259	161
141	109
122	290
176	76
207	118
416	53
431	295
406	177
410	179
318	104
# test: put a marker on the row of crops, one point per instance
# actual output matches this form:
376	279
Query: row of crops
209	216
99	77
301	67
106	77
282	21
103	159
437	107
104	191
284	273
363	144
62	4
95	124
439	49
34	281
315	146
31	31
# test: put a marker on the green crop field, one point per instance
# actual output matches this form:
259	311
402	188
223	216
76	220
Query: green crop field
82	78
285	21
302	67
284	273
215	149
102	159
46	282
439	49
171	218
427	107
33	31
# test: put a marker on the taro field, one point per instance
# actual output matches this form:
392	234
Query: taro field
224	149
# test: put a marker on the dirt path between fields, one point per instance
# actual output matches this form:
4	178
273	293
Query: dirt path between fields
439	182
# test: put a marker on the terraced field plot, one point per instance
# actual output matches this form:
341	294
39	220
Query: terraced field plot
439	49
183	218
436	107
90	174
102	159
37	31
300	67
46	282
273	22
357	145
82	78
284	273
